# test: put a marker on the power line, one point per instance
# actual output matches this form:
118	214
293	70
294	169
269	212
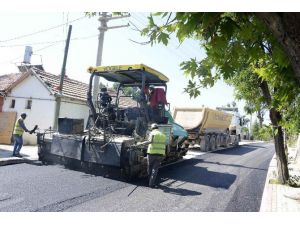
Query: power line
43	48
188	46
46	42
41	31
175	50
188	52
168	48
48	46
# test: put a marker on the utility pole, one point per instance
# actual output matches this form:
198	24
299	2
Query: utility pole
62	75
103	19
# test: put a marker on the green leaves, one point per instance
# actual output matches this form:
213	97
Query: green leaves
163	37
240	50
280	57
192	89
190	68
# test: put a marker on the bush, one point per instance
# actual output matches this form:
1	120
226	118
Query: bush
265	133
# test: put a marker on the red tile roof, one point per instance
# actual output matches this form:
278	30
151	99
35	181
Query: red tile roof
76	89
71	88
7	80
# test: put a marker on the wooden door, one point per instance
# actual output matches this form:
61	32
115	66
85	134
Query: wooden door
7	122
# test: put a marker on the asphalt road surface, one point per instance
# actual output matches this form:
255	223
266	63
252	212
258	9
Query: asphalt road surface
225	180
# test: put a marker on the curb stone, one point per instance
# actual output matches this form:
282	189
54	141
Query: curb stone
12	160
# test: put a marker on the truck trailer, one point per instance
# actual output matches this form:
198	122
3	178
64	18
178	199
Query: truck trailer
208	128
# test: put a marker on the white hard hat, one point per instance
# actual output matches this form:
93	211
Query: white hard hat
154	126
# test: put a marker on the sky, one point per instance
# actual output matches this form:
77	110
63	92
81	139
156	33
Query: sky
49	23
119	48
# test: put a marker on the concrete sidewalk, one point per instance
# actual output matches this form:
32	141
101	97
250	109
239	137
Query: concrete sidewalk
278	197
29	153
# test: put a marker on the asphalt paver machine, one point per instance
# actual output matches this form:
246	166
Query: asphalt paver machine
114	128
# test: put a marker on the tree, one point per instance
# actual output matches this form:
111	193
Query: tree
238	46
264	133
255	129
285	28
246	87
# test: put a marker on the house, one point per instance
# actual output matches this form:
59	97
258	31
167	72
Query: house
35	91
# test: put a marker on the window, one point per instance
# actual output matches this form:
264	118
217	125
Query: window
28	104
12	103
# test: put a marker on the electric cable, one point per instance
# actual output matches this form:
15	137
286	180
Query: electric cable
41	31
47	42
45	47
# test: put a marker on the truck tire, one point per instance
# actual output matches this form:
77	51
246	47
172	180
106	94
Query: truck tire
227	141
204	143
212	142
218	141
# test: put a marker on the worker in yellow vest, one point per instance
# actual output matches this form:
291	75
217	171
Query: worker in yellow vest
18	134
155	153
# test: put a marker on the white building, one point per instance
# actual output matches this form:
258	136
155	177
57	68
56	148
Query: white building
35	92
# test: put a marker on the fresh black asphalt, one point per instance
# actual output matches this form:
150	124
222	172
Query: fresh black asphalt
226	180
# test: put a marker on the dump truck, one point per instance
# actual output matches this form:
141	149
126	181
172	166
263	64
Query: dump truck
207	128
112	129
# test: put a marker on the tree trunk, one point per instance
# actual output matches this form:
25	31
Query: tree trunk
275	117
283	172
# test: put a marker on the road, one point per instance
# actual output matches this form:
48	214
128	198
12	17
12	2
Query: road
225	180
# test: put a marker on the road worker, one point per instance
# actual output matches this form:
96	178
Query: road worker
155	153
18	134
105	98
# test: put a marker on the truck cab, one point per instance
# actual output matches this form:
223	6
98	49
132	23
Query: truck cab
235	127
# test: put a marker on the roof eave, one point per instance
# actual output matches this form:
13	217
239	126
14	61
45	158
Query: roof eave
18	81
43	83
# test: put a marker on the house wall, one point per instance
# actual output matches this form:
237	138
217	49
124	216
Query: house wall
74	109
42	111
43	105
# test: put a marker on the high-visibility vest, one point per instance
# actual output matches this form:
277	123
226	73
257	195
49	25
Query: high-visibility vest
18	130
158	145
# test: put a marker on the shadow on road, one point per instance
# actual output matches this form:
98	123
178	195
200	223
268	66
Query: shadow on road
233	165
178	191
188	171
167	188
240	150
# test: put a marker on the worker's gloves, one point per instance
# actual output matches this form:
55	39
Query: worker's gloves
33	130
